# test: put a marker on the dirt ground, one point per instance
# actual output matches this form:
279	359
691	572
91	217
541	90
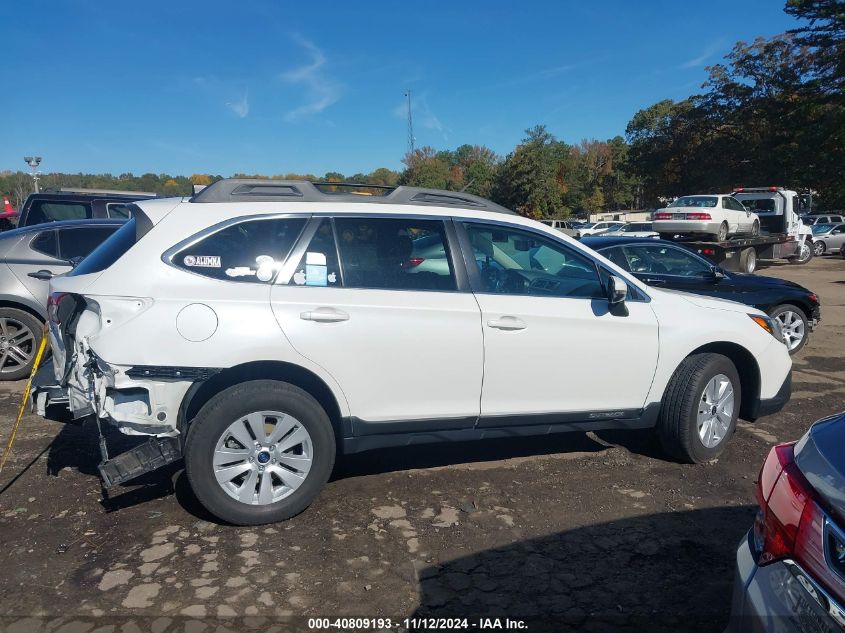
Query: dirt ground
594	531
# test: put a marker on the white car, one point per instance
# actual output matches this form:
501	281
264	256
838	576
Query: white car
594	228
262	327
718	215
633	229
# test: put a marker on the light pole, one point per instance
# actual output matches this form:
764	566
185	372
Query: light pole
33	162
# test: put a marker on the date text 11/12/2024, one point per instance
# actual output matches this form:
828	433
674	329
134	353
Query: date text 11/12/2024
415	624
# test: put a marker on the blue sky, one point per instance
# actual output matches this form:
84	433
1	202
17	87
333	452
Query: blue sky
270	87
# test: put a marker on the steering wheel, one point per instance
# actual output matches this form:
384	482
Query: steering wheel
513	283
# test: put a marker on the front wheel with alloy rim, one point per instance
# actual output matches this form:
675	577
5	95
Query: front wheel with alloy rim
20	336
805	253
700	407
819	248
259	452
794	325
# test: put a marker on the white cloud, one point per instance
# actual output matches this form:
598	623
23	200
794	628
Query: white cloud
321	90
241	106
708	52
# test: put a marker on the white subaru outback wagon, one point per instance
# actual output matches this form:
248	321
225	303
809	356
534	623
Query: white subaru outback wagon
261	327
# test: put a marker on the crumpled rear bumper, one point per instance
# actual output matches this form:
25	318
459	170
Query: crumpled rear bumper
46	395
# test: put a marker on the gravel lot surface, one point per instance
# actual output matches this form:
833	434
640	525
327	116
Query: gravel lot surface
594	531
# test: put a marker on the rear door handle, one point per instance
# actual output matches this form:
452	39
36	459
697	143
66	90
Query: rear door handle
43	275
507	323
324	315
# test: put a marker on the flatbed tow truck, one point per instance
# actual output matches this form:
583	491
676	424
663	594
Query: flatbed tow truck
782	234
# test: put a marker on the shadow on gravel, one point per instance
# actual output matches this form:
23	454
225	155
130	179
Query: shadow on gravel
659	572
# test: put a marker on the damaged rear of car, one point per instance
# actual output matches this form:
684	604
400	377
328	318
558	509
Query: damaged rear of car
79	383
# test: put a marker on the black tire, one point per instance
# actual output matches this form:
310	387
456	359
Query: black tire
842	251
819	248
667	236
240	400
722	235
788	307
805	254
677	424
748	260
18	321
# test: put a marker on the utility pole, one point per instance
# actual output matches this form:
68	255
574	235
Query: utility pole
411	138
33	162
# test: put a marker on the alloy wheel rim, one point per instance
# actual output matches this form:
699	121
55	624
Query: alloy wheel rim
715	410
263	457
17	345
819	248
792	326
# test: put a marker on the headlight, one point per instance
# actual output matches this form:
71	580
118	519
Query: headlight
770	325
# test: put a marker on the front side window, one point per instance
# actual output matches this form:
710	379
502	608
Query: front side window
395	254
513	261
663	260
249	251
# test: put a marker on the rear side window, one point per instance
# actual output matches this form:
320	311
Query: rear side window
81	241
319	264
251	251
109	251
46	243
394	254
51	211
118	210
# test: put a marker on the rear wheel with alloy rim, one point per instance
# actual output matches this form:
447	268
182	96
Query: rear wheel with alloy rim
700	407
794	325
259	452
723	232
20	336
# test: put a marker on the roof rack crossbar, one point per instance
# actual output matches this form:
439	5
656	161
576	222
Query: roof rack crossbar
259	190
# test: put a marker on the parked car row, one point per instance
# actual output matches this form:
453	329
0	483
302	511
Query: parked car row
279	322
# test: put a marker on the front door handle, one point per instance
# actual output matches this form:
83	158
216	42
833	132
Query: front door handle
324	315
507	323
43	275
654	282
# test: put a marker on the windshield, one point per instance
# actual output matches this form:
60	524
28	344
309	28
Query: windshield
707	202
821	228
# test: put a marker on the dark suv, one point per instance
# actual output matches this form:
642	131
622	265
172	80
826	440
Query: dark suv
78	204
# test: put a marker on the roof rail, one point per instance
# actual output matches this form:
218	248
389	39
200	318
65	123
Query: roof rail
255	190
107	192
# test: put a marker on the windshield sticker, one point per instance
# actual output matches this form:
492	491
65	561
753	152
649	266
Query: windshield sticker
202	261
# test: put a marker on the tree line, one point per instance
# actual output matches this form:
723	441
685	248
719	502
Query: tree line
772	114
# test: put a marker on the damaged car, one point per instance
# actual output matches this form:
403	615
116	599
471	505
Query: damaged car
260	328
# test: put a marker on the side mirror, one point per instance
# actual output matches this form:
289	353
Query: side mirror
617	291
75	261
717	273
